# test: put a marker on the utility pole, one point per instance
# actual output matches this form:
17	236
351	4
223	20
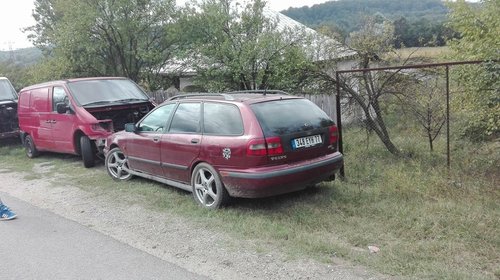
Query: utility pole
11	51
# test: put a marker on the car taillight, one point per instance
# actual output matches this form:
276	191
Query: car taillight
256	147
334	134
262	147
274	146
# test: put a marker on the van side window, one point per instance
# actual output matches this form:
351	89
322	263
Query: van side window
24	100
39	101
58	96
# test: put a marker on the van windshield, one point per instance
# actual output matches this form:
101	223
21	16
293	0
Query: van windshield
7	92
283	117
104	92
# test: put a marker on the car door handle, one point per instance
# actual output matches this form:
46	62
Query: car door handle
195	140
156	139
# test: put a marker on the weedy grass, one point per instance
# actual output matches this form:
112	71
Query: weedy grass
424	53
428	221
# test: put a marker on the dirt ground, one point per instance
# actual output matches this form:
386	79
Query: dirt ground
172	238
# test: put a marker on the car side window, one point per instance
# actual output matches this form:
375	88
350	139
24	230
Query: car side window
157	119
222	119
58	96
186	118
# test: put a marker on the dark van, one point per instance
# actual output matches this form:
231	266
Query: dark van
9	126
75	116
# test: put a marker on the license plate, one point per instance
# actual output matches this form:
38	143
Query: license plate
307	141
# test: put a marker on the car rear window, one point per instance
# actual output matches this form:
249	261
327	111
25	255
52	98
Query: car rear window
281	117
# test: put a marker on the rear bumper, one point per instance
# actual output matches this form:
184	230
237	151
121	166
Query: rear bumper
274	180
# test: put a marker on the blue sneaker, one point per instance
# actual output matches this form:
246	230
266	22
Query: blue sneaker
5	213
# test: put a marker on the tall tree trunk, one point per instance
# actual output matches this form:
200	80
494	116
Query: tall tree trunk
367	104
431	145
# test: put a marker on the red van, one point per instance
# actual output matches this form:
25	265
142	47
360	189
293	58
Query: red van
75	116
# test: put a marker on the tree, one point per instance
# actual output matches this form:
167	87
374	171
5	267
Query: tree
423	97
241	47
368	91
369	87
479	27
131	38
401	32
15	73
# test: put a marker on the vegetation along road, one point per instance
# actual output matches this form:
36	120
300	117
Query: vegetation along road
159	220
426	225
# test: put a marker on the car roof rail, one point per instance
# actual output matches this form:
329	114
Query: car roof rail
183	96
259	91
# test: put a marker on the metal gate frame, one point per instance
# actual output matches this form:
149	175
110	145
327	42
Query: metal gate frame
417	66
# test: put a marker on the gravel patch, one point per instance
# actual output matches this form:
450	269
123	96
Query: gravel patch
171	238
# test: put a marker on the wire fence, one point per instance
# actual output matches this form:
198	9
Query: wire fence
409	108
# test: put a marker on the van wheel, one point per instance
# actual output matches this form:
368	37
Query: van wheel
30	147
208	190
87	152
117	165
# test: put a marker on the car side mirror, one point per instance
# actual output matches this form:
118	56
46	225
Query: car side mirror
130	127
62	108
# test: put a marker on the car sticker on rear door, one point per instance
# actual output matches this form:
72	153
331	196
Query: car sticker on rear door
226	153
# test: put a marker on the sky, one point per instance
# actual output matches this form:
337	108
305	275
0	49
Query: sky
17	16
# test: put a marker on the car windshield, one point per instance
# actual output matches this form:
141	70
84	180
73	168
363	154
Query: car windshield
7	92
103	92
282	117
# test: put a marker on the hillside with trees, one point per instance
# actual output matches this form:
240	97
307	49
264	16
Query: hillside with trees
22	57
417	23
14	64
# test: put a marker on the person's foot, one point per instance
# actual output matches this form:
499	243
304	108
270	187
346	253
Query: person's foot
6	214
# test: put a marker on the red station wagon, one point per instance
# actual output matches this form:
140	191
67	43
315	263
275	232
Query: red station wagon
244	144
75	116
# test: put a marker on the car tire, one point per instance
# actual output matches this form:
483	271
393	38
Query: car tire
29	145
87	151
208	190
117	165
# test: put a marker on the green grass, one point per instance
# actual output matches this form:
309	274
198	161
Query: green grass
423	53
428	222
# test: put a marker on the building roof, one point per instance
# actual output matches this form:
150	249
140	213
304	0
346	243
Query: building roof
322	47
